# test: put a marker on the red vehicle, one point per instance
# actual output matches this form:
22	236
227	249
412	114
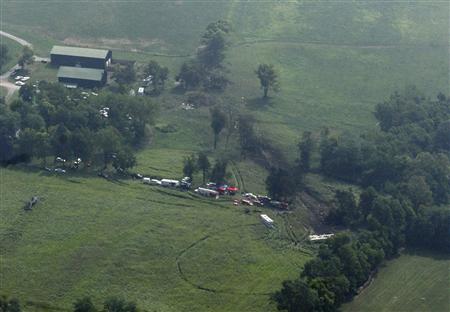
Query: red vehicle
232	190
222	190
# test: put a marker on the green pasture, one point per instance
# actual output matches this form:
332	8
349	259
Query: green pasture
335	60
413	282
14	51
172	251
159	247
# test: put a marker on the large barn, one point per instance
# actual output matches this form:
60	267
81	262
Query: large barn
80	57
81	77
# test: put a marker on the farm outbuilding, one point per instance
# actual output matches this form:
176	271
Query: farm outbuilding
81	57
81	77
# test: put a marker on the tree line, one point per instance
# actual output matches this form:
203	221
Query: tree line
404	170
84	304
4	56
53	121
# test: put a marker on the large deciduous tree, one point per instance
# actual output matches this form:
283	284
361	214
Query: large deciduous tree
159	75
219	172
203	164
218	122
189	166
191	75
268	78
4	56
26	58
280	184
306	147
124	74
214	43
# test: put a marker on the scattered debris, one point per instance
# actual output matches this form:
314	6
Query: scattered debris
187	106
320	237
104	112
34	200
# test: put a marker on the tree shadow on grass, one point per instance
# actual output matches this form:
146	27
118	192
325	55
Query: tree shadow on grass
259	103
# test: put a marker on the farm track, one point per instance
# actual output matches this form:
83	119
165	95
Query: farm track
331	45
238	176
207	289
10	87
290	233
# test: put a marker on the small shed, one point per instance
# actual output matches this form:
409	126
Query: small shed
81	77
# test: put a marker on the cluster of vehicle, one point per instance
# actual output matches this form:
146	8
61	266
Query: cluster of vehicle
222	189
214	190
145	83
187	106
21	80
250	199
185	183
75	165
85	94
104	112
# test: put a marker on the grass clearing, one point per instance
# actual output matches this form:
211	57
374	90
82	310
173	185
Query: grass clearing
336	61
91	236
412	282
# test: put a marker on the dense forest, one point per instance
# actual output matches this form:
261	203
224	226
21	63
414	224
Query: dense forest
404	171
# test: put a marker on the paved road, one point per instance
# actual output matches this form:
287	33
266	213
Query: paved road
11	87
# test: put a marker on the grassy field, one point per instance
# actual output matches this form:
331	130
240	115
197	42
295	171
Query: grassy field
148	244
14	50
413	282
335	61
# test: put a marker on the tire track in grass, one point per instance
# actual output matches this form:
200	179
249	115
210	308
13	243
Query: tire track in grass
238	176
208	289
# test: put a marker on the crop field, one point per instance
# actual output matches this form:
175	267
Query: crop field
413	282
167	250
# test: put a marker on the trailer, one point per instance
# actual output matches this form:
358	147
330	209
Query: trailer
207	192
170	183
321	237
266	220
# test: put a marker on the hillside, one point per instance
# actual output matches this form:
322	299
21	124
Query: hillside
166	250
173	251
336	61
413	282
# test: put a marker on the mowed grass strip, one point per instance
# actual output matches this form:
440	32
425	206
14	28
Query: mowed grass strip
413	282
89	236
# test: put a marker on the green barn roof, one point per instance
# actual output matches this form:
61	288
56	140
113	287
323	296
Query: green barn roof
80	52
80	73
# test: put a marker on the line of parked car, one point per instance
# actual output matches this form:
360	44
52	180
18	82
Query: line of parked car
21	80
185	183
250	199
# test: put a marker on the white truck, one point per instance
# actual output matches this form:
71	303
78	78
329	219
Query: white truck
169	182
266	220
207	192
